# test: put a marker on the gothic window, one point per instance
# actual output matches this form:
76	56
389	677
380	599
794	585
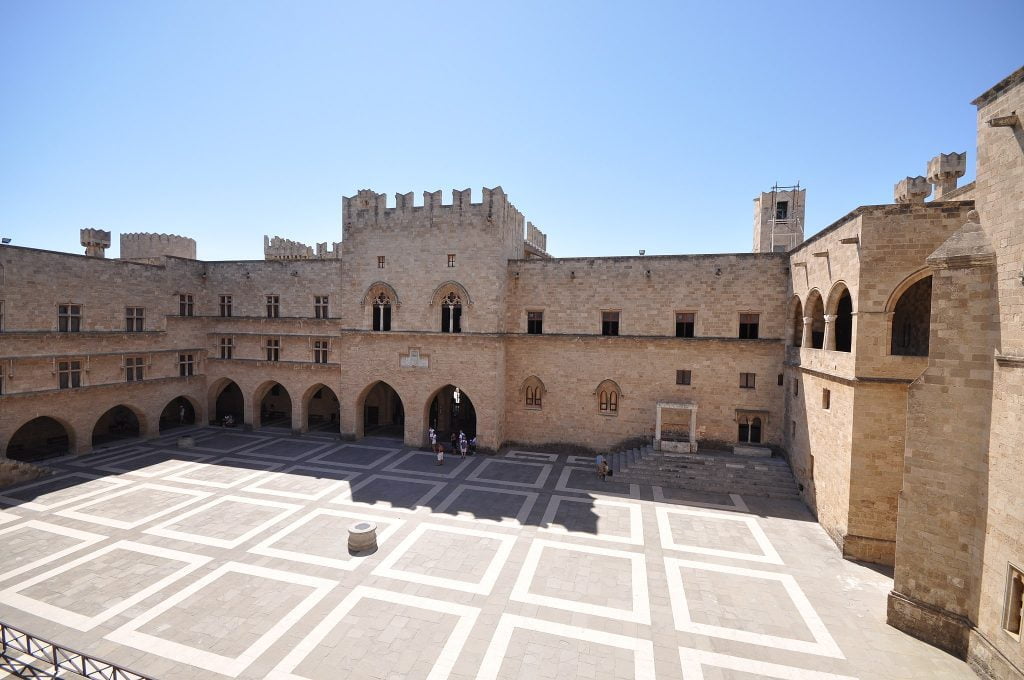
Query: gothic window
225	305
749	326
797	323
320	309
815	309
134	319
535	323
609	323
186	304
382	312
685	322
69	318
749	430
451	313
911	320
608	395
227	348
273	306
69	374
533	391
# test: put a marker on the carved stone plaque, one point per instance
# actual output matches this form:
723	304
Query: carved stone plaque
413	359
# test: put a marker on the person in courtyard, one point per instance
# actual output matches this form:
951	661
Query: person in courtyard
181	414
440	454
599	461
603	471
463	443
472	446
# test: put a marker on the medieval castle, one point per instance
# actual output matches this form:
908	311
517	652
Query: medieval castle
883	356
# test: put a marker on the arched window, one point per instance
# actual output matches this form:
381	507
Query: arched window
382	312
796	323
749	429
608	394
815	310
532	390
911	320
840	306
451	313
755	431
533	397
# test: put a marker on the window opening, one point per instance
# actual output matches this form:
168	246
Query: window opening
227	348
747	380
134	319
609	323
684	324
225	305
535	323
382	313
69	318
682	377
273	306
451	313
749	326
186	365
186	305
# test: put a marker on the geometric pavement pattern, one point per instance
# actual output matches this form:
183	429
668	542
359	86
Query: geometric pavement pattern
230	560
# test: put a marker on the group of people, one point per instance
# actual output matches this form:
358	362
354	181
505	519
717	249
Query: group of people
459	442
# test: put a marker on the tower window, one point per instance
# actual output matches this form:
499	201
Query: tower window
451	259
782	210
535	323
609	323
683	377
684	324
749	326
380	262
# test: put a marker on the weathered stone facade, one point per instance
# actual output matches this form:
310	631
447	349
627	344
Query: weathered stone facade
883	356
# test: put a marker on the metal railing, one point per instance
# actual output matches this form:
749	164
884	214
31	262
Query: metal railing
15	642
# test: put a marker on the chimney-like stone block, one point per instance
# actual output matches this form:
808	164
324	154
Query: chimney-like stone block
912	190
944	170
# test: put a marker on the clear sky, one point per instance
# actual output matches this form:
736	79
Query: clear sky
611	127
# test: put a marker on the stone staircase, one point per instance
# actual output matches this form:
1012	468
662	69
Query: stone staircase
710	471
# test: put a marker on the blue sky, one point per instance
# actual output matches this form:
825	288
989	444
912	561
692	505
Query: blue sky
611	127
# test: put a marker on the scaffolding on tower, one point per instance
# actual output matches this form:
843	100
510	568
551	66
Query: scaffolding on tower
785	217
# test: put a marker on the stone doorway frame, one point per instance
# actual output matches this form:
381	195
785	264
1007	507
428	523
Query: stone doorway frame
676	447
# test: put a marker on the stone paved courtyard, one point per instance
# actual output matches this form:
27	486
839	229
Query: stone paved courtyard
230	560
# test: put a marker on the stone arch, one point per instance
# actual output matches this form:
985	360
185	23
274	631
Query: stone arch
796	322
378	287
452	298
321	408
447	287
531	393
815	311
122	421
448	409
608	395
381	407
909	314
41	437
380	302
171	415
272	405
840	306
225	398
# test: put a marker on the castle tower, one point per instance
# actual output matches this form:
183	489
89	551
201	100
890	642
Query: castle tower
95	241
779	219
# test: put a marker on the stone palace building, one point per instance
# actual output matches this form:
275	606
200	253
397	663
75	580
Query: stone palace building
883	356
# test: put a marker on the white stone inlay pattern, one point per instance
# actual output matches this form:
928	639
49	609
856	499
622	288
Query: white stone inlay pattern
542	476
232	475
693	661
79	511
768	553
84	538
529	500
391	525
326	488
563	485
636	520
219	542
94	485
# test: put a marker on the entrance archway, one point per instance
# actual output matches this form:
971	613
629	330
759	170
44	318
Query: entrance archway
383	411
322	409
118	423
275	406
39	438
750	430
229	402
451	411
179	412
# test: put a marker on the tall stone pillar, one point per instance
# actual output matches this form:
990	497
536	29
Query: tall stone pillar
941	526
830	332
806	340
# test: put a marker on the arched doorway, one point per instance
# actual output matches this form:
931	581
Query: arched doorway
39	438
750	430
230	402
844	323
911	320
322	409
118	423
179	412
275	406
451	411
383	411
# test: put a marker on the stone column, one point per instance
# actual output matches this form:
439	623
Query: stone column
830	332
300	416
657	427
805	341
693	429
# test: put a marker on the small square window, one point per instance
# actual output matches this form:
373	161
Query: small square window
747	380
749	326
684	324
69	374
380	262
826	398
451	259
133	368
69	318
186	365
683	377
535	323
609	323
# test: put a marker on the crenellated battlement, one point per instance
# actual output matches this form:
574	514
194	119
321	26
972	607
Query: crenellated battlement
145	246
277	248
368	207
95	241
536	242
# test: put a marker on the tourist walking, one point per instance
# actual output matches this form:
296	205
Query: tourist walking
599	461
463	443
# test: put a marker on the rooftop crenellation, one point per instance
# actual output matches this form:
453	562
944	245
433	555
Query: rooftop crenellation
368	206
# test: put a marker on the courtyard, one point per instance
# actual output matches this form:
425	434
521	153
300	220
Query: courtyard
230	560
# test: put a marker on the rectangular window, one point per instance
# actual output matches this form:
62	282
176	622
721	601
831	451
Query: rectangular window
69	374
748	326
133	367
382	316
535	323
747	380
1014	601
69	318
225	305
609	323
1	316
186	365
380	262
320	306
273	350
782	210
227	348
273	306
826	398
320	351
134	319
684	324
792	429
781	380
682	377
796	387
451	259
186	305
